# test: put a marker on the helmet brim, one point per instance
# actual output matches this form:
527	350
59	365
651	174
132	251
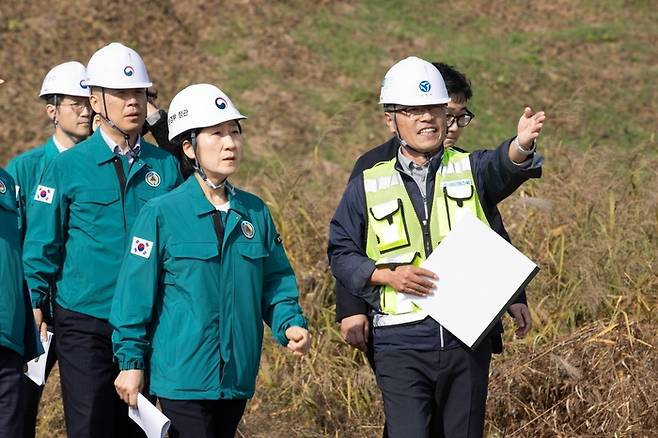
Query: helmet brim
118	86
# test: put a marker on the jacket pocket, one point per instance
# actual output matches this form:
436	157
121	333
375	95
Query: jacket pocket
460	199
459	192
252	251
249	266
194	250
146	194
389	225
91	206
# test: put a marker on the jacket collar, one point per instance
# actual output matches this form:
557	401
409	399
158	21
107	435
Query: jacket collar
434	163
50	149
98	148
200	203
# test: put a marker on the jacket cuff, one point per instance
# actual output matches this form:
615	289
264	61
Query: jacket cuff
156	117
37	299
131	364
297	320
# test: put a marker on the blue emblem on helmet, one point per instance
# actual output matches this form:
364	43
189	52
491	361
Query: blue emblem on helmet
82	85
128	71
220	103
425	86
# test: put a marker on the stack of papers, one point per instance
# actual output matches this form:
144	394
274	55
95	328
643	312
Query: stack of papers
36	368
480	274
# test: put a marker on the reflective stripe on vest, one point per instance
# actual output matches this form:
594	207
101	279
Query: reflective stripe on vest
395	234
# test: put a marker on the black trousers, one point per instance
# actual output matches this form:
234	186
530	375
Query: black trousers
92	408
203	418
11	414
434	393
31	392
370	355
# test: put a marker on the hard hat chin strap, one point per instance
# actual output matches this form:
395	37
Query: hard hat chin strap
126	136
202	173
403	142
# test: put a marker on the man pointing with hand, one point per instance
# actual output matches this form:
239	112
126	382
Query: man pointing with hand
390	218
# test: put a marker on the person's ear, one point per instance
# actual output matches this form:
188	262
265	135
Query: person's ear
390	122
188	150
95	102
51	111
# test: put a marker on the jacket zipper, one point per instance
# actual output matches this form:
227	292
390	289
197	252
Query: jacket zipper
427	241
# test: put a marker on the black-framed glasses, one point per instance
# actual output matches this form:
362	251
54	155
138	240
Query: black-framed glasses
416	112
462	120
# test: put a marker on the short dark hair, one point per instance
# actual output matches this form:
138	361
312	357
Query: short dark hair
456	81
176	149
52	99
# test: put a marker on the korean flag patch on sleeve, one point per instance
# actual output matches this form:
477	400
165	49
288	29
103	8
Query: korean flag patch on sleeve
141	247
44	194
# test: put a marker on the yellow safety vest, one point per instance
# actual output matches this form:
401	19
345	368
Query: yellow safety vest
396	236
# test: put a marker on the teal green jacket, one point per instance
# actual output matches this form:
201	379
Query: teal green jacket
17	329
196	313
79	219
26	169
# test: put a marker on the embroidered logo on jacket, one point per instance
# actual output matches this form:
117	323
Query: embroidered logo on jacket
152	178
247	229
3	187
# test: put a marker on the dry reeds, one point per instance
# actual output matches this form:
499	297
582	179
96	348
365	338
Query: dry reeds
600	380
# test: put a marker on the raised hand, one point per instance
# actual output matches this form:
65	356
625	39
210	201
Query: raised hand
529	127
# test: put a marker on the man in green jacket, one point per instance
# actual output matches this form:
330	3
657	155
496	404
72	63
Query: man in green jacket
18	338
67	106
80	215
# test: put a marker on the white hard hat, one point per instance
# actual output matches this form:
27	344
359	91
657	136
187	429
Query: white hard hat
413	82
200	106
67	78
117	66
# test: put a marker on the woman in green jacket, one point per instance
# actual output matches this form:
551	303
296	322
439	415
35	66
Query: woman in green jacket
206	267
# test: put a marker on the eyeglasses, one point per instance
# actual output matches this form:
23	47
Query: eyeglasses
77	107
462	120
416	112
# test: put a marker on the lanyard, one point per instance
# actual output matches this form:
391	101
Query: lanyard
219	229
118	168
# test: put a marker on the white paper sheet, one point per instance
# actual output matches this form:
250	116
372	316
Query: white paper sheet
479	275
149	418
36	368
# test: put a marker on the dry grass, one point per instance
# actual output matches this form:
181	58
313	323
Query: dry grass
600	380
